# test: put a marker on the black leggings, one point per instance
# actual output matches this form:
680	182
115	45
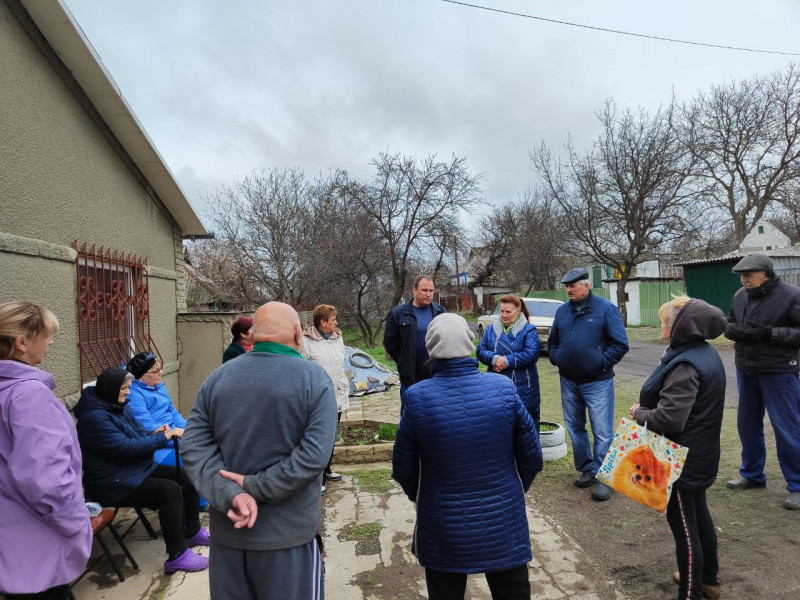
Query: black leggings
512	584
695	541
178	505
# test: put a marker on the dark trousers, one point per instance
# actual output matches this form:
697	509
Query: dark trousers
695	541
330	460
779	394
178	506
59	592
282	574
512	584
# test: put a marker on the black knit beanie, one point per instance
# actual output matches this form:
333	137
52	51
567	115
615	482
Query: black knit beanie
141	363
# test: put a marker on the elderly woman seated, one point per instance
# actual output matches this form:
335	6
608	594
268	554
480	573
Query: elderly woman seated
119	469
151	404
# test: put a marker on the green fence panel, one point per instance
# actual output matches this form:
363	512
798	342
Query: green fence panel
652	295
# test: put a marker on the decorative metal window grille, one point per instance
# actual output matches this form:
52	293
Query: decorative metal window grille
113	309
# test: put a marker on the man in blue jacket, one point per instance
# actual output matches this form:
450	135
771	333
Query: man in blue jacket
587	340
404	336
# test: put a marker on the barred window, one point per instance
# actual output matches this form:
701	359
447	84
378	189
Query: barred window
113	309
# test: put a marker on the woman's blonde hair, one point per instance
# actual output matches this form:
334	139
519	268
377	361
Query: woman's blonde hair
669	310
25	319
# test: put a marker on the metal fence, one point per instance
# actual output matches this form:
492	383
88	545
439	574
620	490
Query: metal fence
652	295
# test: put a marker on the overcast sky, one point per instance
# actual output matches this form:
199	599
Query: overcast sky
223	88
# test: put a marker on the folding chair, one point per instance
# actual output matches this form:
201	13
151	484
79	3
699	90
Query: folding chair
105	520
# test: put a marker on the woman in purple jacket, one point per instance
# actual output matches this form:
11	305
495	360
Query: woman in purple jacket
45	532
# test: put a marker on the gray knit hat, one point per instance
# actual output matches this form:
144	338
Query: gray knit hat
449	337
754	262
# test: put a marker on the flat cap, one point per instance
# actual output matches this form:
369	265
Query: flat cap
575	275
754	262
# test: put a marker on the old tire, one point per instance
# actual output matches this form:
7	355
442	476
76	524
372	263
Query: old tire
554	452
552	438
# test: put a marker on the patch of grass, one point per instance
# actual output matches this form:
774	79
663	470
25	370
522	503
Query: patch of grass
352	337
387	431
643	334
378	481
365	535
359	531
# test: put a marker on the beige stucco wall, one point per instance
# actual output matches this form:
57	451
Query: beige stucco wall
203	338
60	181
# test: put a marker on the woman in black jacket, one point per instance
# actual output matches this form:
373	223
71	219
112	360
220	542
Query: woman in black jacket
119	469
683	399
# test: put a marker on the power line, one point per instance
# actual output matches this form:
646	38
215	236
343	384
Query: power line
617	31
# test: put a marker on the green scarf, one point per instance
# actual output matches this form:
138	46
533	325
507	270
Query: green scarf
273	348
507	328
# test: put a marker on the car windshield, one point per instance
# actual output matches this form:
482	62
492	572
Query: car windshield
542	309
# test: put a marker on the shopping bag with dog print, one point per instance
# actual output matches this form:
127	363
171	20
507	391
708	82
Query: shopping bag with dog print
642	465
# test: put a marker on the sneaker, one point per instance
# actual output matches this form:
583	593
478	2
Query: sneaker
188	561
601	492
201	538
333	476
792	501
743	483
323	490
585	480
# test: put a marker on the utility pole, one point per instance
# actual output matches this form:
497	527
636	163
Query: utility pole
458	279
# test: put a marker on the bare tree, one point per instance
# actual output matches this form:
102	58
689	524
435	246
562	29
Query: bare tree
348	261
261	220
223	276
745	138
627	196
409	196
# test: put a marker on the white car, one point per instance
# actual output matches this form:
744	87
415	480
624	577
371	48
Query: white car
542	311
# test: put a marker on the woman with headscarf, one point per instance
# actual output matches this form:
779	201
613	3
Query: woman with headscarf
683	399
119	468
45	531
242	330
511	347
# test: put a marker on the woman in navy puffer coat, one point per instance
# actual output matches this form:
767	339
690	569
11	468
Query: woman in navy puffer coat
511	347
466	452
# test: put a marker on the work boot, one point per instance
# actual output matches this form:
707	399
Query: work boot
710	591
601	492
201	538
188	561
792	501
585	480
743	483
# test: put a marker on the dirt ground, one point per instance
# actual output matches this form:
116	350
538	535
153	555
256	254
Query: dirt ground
759	540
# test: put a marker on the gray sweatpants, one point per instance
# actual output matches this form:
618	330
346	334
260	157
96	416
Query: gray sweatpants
286	574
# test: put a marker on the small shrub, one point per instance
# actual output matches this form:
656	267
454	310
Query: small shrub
387	431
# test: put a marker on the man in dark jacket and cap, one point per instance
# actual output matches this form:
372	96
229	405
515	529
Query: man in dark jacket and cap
764	323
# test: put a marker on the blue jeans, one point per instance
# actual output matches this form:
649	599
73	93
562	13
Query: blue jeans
598	398
779	394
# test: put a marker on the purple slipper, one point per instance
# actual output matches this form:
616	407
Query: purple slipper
201	538
188	561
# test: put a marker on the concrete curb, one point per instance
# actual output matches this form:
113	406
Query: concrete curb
381	452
